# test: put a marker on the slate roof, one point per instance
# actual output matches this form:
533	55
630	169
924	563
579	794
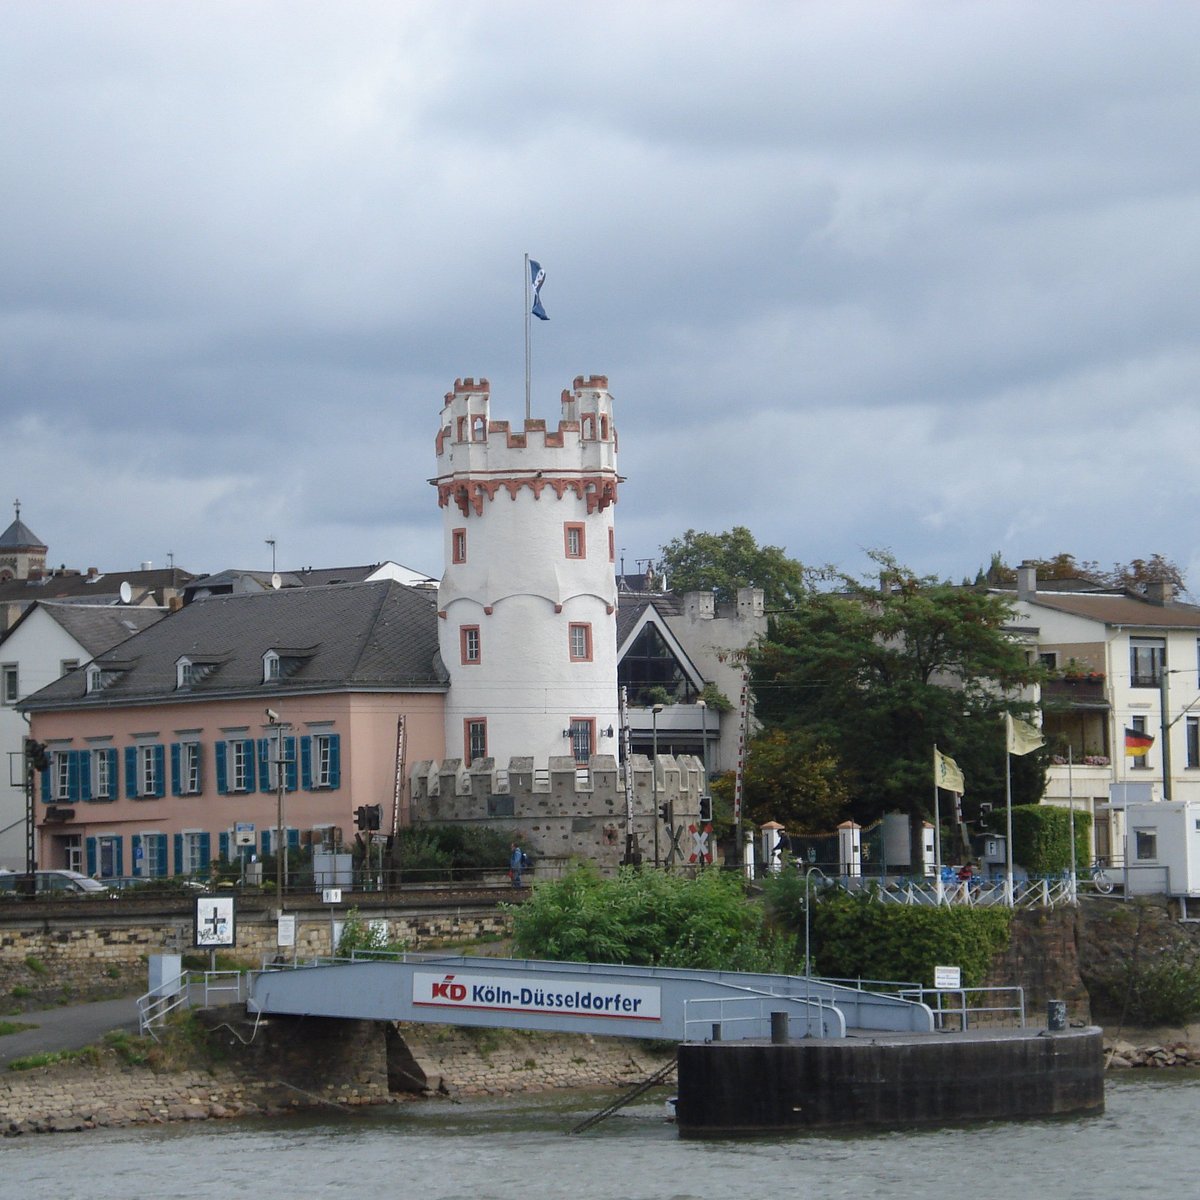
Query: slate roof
98	628
60	585
18	536
365	636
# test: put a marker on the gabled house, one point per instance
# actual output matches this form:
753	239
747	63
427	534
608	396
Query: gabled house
678	644
51	639
1119	661
164	748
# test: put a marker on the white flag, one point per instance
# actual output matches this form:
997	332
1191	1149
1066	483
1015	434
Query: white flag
1023	738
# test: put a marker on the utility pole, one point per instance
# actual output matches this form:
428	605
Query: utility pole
1165	724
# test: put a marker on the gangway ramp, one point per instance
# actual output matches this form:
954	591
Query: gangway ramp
616	1001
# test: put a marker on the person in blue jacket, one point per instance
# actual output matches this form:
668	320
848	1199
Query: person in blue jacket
516	863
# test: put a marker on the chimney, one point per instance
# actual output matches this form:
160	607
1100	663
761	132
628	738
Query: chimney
92	572
1026	581
146	566
1160	591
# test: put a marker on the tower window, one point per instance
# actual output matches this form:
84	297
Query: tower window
583	737
580	638
458	548
475	738
468	636
574	539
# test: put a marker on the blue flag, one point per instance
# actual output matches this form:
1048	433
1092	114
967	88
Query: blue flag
536	278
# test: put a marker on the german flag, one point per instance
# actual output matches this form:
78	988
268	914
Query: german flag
1137	744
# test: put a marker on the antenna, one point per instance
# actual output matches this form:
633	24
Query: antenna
276	581
125	591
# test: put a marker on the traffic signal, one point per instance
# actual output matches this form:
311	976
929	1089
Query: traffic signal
664	812
706	810
368	816
36	755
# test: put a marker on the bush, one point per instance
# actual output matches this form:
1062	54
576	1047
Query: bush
448	852
1164	991
650	918
856	937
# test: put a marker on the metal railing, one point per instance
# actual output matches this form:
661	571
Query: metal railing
706	1018
189	990
966	1008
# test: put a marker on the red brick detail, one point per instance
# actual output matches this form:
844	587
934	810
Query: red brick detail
487	610
558	608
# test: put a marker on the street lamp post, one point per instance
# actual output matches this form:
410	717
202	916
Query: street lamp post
654	776
807	905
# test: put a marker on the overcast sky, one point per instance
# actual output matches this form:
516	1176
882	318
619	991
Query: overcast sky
909	275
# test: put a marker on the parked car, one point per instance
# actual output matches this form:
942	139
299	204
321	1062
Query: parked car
53	883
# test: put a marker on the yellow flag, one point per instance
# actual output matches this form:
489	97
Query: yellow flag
1023	738
946	773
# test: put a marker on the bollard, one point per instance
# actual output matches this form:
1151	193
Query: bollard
1056	1015
716	1033
779	1029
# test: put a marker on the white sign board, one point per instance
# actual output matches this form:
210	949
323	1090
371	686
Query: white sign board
947	977
331	895
286	931
504	993
243	834
214	923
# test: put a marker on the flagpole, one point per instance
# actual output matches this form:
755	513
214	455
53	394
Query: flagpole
938	890
528	303
1008	846
1071	809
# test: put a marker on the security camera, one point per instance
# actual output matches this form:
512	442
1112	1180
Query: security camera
272	715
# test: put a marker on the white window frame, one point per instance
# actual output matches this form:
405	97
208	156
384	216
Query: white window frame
185	674
241	754
102	783
1145	843
10	683
154	855
1141	762
189	768
193	863
272	670
62	775
322	760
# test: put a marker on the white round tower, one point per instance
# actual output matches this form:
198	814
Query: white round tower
527	603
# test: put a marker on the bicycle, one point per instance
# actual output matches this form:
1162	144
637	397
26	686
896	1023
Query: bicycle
1099	879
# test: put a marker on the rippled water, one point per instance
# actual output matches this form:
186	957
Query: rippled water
517	1147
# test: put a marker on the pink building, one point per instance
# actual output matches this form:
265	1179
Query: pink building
163	748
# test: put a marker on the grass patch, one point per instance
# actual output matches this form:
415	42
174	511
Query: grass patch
21	992
7	1027
89	1055
35	965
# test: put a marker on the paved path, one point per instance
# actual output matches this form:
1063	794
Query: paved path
68	1028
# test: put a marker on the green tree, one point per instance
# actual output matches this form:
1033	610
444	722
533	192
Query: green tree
791	779
1134	575
723	562
881	671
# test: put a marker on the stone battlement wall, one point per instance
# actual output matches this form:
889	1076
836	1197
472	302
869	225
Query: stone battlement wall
562	811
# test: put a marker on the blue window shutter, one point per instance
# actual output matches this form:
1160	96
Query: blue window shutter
176	778
91	856
289	752
266	841
119	856
131	779
293	838
205	851
46	786
162	853
250	764
306	763
222	769
335	760
264	765
223	845
179	854
83	776
135	840
160	770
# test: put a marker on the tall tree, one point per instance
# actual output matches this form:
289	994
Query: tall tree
724	562
883	670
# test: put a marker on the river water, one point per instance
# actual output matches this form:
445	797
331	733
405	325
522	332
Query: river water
501	1149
